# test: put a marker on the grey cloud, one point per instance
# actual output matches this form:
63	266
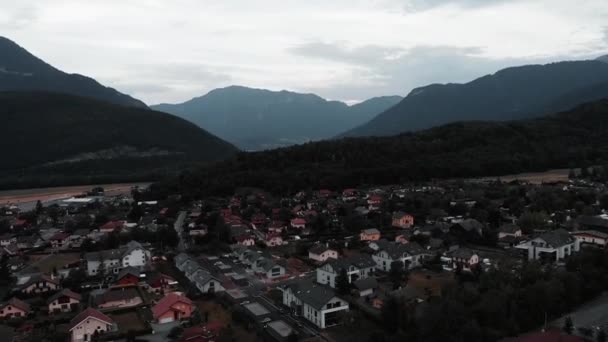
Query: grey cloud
391	70
19	17
421	5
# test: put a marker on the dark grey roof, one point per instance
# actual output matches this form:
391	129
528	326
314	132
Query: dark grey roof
509	228
311	293
399	214
357	260
557	238
128	270
462	253
471	225
366	283
319	248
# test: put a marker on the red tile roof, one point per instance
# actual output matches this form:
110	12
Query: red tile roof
90	312
19	304
167	302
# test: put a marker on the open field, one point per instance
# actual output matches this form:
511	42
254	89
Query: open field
127	321
29	196
555	175
47	262
434	282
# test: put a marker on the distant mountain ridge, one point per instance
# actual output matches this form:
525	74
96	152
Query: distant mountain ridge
456	150
22	71
61	136
513	93
259	119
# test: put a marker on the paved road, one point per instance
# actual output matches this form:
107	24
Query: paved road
591	315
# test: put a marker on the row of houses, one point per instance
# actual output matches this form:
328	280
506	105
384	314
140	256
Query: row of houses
200	277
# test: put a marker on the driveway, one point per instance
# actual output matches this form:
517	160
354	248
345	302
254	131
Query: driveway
160	332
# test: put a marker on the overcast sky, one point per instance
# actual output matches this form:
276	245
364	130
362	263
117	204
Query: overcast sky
173	50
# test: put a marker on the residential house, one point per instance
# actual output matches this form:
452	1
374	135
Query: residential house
90	323
133	254
410	255
298	223
470	227
403	220
60	241
509	229
366	287
273	240
462	258
591	237
320	253
14	308
403	237
172	307
156	282
357	267
551	246
40	283
245	240
206	282
111	226
64	301
318	304
372	234
7	239
128	276
349	195
374	202
269	268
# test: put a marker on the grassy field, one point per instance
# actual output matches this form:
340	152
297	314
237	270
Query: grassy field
435	282
557	175
50	194
47	262
128	321
217	313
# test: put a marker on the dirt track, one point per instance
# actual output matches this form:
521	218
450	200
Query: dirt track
51	194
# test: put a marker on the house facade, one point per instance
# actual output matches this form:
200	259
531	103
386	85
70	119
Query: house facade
114	260
318	304
550	246
90	323
172	307
321	253
64	301
14	308
357	267
402	220
372	234
591	237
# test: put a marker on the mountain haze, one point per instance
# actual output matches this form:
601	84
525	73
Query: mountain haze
60	135
257	119
577	137
22	71
512	93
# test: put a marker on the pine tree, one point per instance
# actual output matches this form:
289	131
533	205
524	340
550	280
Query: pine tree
568	326
342	283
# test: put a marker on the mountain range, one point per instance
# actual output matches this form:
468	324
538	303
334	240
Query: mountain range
513	93
574	138
257	119
51	135
22	71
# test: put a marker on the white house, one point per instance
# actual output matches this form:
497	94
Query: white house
321	253
88	323
591	237
410	254
318	304
131	255
268	268
461	257
552	246
357	267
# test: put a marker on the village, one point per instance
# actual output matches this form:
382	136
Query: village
317	265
